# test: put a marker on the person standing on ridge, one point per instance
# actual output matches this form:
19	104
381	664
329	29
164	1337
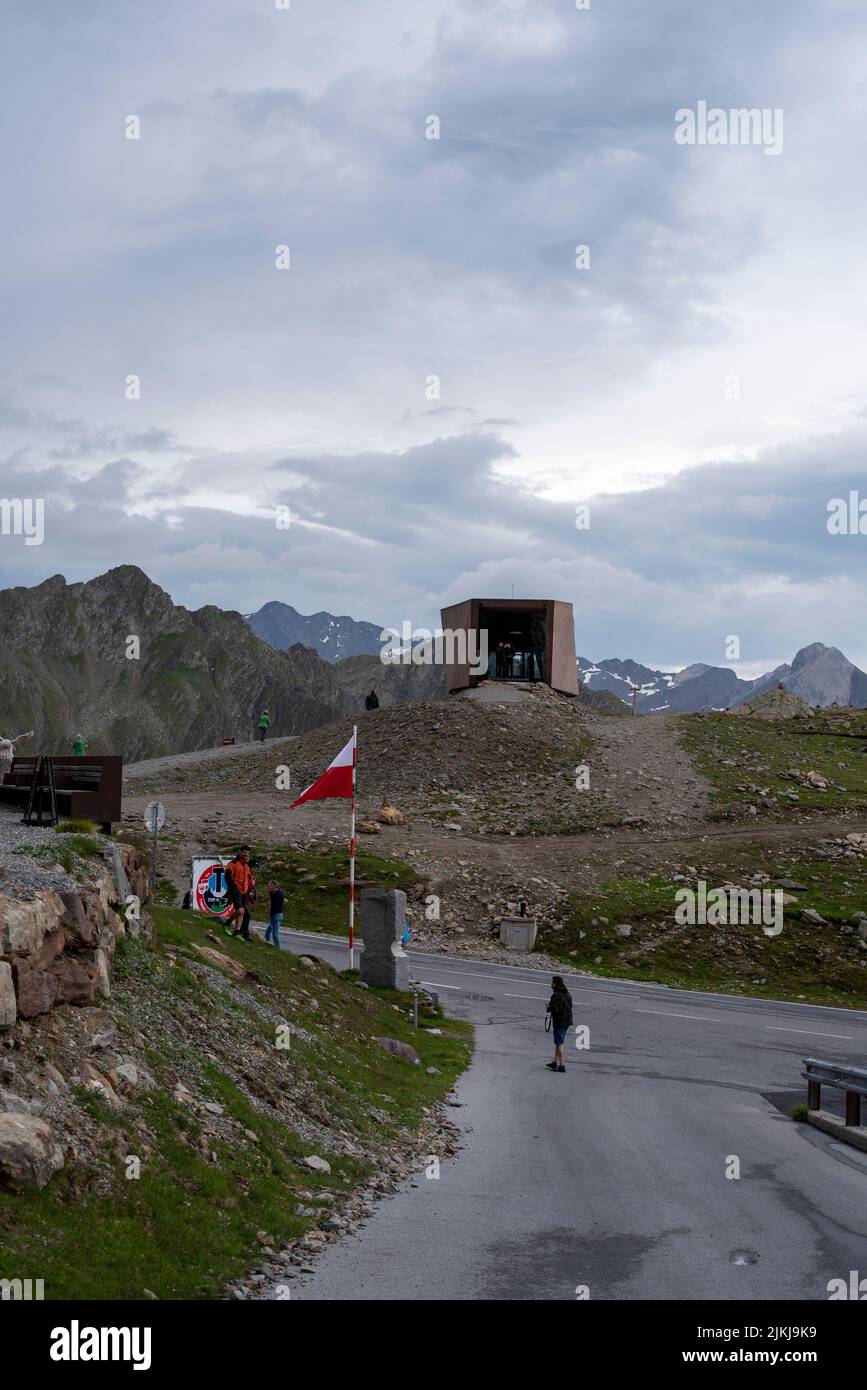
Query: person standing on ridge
264	724
560	1009
372	701
79	746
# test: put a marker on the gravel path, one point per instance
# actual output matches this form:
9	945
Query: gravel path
134	771
643	771
21	874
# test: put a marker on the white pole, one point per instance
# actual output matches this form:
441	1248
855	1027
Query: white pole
352	859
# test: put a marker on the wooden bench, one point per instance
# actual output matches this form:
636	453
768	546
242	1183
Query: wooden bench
87	788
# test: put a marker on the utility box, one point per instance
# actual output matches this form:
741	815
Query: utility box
518	933
384	963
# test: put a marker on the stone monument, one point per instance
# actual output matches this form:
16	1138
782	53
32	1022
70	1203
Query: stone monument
384	962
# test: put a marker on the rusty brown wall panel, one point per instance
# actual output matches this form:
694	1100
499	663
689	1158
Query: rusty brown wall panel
564	672
560	667
457	617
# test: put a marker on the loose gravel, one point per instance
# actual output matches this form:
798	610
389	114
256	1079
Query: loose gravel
20	875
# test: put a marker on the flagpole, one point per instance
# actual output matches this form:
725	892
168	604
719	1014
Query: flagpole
352	859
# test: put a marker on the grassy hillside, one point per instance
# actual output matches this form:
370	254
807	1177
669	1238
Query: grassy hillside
817	964
744	757
316	884
220	1117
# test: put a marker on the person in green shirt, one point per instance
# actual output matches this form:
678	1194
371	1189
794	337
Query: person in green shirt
79	746
264	722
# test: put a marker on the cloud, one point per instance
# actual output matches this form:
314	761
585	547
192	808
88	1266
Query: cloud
665	574
453	257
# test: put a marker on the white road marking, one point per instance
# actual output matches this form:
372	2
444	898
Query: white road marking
436	985
526	980
773	1028
526	996
662	1013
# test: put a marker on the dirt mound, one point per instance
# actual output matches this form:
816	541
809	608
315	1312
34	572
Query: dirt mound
482	765
477	764
775	705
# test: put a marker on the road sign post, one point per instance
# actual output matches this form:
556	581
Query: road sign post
154	819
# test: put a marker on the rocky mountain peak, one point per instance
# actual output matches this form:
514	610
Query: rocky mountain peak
807	655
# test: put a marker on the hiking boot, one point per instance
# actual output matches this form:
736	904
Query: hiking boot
559	1068
552	1066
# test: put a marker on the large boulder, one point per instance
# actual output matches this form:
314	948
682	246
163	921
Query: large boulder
29	1152
35	990
52	947
25	924
8	1006
102	964
78	926
401	1050
75	983
222	961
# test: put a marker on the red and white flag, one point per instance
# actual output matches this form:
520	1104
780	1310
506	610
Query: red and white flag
336	780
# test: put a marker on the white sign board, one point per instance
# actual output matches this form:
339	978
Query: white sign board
208	887
154	816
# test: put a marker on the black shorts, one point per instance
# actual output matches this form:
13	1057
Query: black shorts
235	898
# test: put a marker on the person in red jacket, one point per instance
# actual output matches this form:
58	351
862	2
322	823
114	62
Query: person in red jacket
239	883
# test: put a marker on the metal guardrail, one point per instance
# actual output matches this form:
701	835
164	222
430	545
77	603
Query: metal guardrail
852	1080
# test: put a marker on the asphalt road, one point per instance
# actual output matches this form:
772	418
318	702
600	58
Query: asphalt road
613	1176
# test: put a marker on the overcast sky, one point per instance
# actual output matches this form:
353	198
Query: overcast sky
702	384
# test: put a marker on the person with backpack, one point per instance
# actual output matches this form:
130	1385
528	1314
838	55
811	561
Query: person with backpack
560	1009
264	724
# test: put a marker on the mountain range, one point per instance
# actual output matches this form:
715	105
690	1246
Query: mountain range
117	661
820	675
282	626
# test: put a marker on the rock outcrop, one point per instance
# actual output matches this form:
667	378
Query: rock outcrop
58	948
29	1152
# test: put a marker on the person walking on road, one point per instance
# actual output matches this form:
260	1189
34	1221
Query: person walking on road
275	919
560	1009
264	725
239	880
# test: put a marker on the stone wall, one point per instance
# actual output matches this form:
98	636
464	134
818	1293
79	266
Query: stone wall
58	948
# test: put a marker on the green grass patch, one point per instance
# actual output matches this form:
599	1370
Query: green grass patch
316	884
75	827
191	1221
737	754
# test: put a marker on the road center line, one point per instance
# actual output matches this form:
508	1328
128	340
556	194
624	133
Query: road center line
434	984
662	1013
775	1028
525	996
479	975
